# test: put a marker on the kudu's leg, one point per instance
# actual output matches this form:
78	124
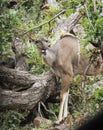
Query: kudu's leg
65	111
66	79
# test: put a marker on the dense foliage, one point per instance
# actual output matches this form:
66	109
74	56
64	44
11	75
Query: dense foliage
18	17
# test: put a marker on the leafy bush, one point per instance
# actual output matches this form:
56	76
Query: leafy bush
93	22
99	94
10	120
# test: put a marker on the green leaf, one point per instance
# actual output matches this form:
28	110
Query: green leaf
68	12
12	12
99	93
100	21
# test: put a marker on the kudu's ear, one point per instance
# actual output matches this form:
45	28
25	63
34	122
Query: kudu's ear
39	44
37	41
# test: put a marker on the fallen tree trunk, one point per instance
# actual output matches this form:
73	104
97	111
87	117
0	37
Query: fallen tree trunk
39	88
15	79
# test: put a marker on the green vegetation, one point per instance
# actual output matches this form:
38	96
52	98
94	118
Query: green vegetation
10	120
23	16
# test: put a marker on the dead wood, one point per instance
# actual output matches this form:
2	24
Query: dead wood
18	47
34	88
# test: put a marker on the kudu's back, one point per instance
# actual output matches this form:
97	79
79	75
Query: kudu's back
65	57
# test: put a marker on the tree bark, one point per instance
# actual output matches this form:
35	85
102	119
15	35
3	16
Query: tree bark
66	25
53	3
34	88
18	48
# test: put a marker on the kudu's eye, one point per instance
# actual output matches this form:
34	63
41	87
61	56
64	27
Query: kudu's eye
37	41
49	45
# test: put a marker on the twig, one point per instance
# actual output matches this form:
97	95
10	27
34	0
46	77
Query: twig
48	110
61	12
89	17
84	74
95	6
39	110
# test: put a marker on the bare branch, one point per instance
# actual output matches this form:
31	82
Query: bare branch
61	12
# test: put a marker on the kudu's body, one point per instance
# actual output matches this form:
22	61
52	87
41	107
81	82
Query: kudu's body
65	59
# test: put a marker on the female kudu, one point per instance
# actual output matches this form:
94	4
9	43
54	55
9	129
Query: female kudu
65	59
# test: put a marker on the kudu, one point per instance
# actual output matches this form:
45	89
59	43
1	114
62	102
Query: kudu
65	59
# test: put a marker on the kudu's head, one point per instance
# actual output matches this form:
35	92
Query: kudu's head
42	46
46	51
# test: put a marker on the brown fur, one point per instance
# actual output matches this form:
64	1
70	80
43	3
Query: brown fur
65	59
